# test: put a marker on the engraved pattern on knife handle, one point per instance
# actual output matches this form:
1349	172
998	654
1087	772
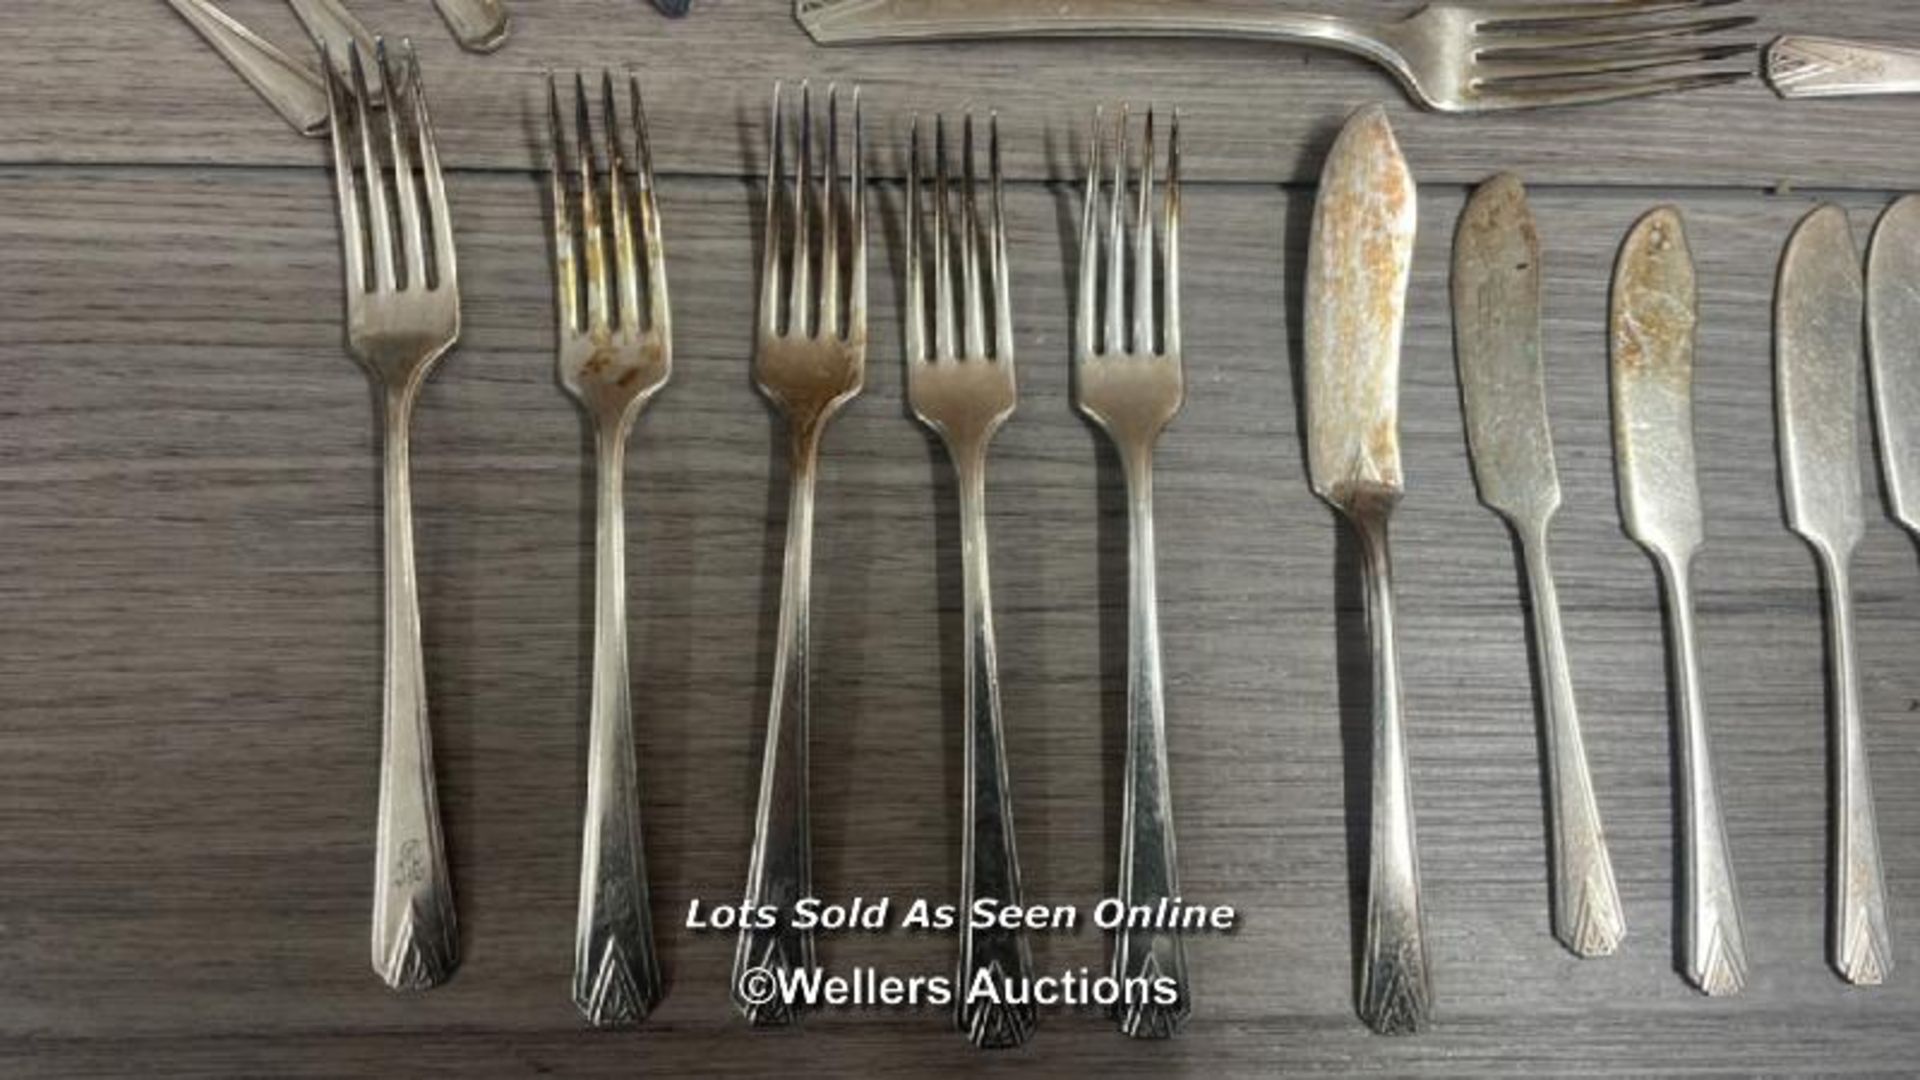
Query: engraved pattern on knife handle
1587	914
1814	67
290	86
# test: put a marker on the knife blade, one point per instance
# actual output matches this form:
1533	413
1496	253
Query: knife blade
292	87
1655	312
1496	319
478	25
338	32
1358	266
1359	259
1893	350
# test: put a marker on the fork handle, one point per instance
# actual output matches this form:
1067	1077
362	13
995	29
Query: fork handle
1149	871
1396	995
1860	941
415	945
780	871
848	21
616	977
1814	67
989	864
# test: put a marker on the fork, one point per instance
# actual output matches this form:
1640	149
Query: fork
1131	386
964	390
613	358
809	360
403	315
1451	57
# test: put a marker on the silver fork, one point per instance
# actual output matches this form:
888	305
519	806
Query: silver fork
1452	57
613	357
964	390
809	360
403	314
1131	386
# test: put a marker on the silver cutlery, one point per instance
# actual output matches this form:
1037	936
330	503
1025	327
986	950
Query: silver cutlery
963	388
1654	316
1129	381
1496	320
615	353
403	315
291	86
1359	259
337	32
1893	350
1819	313
1452	57
1799	66
478	25
809	360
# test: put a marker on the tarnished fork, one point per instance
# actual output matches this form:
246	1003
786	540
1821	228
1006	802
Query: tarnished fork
809	360
963	388
1131	385
403	314
614	355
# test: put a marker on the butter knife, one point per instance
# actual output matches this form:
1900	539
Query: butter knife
1893	350
337	32
1655	312
1359	259
1496	324
1798	66
291	86
478	25
1819	312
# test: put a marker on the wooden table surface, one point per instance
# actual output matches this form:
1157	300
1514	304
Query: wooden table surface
189	562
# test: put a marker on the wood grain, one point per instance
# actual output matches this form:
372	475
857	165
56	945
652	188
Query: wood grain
190	666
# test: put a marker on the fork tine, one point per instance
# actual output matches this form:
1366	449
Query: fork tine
857	273
626	262
799	317
1116	240
770	320
1528	43
1541	95
412	247
352	241
829	226
1143	339
916	279
659	311
1002	304
379	217
566	265
445	268
1591	9
1090	240
595	243
1170	280
942	257
975	304
1500	71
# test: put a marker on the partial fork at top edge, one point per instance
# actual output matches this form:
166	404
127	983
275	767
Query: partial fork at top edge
403	314
1451	57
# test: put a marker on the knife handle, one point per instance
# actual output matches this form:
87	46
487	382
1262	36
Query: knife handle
1396	995
1860	942
1815	67
1712	941
1587	914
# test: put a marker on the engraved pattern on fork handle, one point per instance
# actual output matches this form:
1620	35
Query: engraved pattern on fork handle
616	974
415	945
1712	939
990	865
1396	995
1860	939
780	872
1587	915
1149	871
